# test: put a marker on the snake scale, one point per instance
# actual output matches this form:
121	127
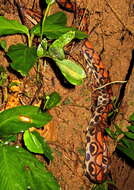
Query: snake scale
97	159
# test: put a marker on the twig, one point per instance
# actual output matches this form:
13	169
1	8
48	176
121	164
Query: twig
113	82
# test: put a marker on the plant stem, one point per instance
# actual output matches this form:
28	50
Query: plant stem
30	40
44	18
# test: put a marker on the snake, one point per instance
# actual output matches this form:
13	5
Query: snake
97	156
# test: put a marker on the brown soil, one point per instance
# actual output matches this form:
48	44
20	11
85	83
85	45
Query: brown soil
111	31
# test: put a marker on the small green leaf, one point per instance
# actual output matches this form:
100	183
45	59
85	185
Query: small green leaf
3	44
32	143
131	118
131	128
21	118
11	27
52	100
73	72
23	58
129	135
127	147
56	50
46	149
42	48
111	133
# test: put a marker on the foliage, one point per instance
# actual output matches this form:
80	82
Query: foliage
23	57
126	143
19	169
103	186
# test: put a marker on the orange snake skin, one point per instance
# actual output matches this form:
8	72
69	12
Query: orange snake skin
97	159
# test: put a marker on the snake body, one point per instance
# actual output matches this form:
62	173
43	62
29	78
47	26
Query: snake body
97	159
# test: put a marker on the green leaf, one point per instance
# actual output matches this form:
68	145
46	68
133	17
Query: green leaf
80	35
54	31
56	50
21	118
129	135
58	18
3	44
46	149
73	72
110	133
36	30
52	100
42	48
11	27
23	58
126	146
20	170
131	128
32	143
11	171
131	118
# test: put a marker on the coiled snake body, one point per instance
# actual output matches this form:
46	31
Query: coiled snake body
97	159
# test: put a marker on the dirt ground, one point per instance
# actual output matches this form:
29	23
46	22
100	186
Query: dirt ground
111	30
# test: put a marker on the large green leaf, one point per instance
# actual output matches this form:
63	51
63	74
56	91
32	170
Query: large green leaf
58	18
73	72
54	31
22	57
20	170
11	27
11	171
21	118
